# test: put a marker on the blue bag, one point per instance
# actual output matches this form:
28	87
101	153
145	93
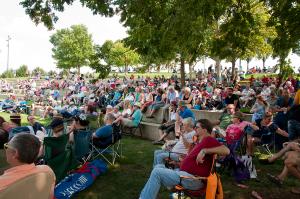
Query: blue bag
80	179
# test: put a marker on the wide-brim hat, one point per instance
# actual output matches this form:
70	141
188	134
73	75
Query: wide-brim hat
138	104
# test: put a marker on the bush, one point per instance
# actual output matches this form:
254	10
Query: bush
8	74
22	71
38	70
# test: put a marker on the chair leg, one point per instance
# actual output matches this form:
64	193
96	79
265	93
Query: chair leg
140	128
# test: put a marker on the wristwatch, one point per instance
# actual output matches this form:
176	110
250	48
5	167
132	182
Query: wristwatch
203	152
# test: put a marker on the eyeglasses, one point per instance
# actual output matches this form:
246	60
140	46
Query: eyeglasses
7	146
198	126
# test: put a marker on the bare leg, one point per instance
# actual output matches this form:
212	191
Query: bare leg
292	163
250	145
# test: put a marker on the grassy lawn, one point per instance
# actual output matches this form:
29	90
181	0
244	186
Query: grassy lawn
126	179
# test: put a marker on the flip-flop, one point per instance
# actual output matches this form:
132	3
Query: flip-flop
241	186
256	195
295	190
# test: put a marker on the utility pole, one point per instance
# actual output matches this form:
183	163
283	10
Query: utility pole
8	39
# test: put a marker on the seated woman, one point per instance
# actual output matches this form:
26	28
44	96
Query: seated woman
158	102
148	100
104	133
262	128
134	119
127	109
236	130
187	97
168	126
259	108
80	123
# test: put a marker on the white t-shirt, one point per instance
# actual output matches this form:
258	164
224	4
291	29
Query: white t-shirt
179	146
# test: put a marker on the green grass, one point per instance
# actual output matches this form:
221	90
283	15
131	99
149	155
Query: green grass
126	179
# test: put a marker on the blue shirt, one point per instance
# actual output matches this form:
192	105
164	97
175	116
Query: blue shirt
137	116
117	96
104	131
187	113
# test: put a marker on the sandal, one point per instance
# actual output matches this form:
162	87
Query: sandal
275	180
256	195
241	186
295	190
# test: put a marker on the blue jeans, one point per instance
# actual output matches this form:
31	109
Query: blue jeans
293	129
169	178
161	155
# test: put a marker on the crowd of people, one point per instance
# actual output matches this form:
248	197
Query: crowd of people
273	103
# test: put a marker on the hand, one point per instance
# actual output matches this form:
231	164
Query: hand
200	156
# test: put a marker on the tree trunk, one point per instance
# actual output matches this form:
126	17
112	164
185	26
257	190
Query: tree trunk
218	69
247	60
182	73
158	68
264	62
233	69
78	70
191	70
126	68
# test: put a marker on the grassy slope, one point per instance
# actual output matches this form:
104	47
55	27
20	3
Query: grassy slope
126	179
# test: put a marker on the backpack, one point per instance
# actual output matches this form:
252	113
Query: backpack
80	179
240	170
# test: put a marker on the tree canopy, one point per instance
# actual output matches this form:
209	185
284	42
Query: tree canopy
168	30
72	47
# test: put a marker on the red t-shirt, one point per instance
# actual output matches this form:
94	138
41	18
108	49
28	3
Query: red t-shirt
189	163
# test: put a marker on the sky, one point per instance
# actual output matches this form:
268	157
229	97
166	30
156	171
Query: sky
30	44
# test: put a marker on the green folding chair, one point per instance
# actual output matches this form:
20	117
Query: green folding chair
59	156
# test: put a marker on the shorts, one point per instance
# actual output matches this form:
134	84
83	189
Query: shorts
167	128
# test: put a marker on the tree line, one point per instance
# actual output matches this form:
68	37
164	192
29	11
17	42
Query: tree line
168	31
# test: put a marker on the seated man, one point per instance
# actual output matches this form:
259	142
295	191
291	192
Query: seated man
21	158
104	134
197	163
182	112
262	127
181	147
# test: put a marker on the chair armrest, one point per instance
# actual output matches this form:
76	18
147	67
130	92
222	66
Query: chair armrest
193	177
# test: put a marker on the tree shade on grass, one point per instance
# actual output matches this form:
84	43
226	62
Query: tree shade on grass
126	179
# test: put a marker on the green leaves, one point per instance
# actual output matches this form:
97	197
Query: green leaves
72	47
44	11
112	54
22	71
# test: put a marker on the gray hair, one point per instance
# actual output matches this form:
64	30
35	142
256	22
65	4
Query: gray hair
189	121
27	145
109	116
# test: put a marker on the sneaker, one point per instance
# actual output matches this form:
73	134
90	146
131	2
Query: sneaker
158	142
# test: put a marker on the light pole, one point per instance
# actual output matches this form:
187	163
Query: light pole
8	39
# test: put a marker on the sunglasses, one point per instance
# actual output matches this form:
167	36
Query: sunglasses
7	146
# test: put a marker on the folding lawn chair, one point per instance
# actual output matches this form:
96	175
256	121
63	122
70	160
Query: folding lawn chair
59	155
212	186
94	122
82	140
132	130
111	146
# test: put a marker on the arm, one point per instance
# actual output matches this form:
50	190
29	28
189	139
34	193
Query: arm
220	150
282	132
189	100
